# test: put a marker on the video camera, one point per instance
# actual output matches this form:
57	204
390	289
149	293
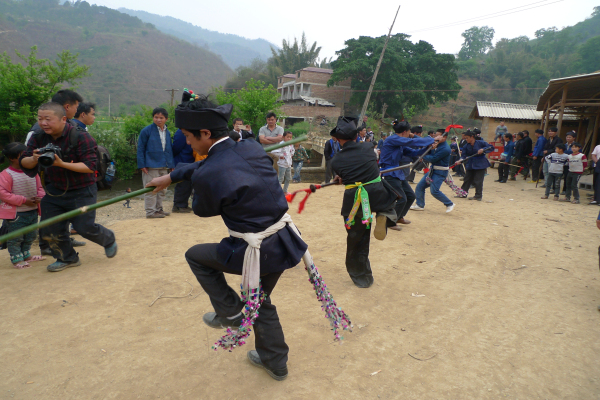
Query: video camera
47	155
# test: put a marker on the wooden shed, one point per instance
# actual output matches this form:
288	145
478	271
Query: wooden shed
574	98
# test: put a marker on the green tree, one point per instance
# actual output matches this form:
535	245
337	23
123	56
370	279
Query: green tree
25	86
589	55
411	74
258	70
252	103
294	56
477	40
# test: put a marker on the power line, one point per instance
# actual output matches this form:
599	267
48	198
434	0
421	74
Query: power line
489	16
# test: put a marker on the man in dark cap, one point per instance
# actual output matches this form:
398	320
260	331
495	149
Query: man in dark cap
402	144
237	181
477	165
356	167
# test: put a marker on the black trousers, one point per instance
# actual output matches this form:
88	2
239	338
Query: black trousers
57	235
183	191
503	171
328	171
357	253
405	191
268	333
475	177
564	179
596	183
535	169
418	167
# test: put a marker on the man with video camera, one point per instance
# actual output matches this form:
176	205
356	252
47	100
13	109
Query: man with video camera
68	167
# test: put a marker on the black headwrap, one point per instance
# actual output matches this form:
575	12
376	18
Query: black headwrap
345	128
199	114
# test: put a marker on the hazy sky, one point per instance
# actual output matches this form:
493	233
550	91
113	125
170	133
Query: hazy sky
330	23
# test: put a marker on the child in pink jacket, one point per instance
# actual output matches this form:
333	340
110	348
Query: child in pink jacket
20	205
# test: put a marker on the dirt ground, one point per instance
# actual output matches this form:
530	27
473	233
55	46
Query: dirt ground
510	310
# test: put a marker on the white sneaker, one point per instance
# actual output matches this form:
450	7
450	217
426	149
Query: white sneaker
417	208
450	208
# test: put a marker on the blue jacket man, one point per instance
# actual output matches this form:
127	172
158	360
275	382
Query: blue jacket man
440	161
538	154
155	159
182	154
395	148
477	165
150	153
538	149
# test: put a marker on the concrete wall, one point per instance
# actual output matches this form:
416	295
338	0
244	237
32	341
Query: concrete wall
311	111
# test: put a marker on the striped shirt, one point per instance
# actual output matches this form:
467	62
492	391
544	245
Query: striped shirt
23	186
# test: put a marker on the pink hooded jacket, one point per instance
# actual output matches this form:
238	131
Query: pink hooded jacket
10	201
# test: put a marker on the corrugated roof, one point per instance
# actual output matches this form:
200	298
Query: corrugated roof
508	111
505	110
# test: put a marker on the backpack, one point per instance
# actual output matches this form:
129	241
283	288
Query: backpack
102	156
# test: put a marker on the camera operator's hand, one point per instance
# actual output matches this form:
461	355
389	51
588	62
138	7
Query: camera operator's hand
58	162
161	183
31	162
75	167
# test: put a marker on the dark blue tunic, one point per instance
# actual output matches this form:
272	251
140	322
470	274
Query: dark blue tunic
237	181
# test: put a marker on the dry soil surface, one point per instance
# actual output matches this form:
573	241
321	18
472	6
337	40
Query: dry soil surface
510	310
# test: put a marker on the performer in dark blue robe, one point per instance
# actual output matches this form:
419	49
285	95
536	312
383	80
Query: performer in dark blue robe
357	163
475	166
392	155
236	181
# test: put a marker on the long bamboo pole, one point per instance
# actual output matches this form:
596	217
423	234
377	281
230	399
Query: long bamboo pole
368	98
85	209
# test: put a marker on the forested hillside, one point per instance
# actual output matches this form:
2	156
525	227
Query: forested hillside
517	70
235	50
521	62
128	59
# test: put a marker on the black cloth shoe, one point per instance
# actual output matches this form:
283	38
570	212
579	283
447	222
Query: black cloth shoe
46	251
277	374
183	210
214	321
77	243
475	198
498	180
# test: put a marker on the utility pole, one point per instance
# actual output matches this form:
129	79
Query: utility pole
368	98
172	94
109	106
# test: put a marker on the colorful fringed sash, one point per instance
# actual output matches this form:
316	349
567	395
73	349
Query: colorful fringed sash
361	197
253	295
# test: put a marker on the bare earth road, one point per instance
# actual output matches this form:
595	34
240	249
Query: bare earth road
511	290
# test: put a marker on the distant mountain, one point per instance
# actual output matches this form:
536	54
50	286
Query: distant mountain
235	50
128	59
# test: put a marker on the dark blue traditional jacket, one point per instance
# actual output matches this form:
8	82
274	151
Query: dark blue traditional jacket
509	149
395	148
182	152
440	156
237	181
478	162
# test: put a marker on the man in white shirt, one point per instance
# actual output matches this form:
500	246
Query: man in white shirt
271	134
